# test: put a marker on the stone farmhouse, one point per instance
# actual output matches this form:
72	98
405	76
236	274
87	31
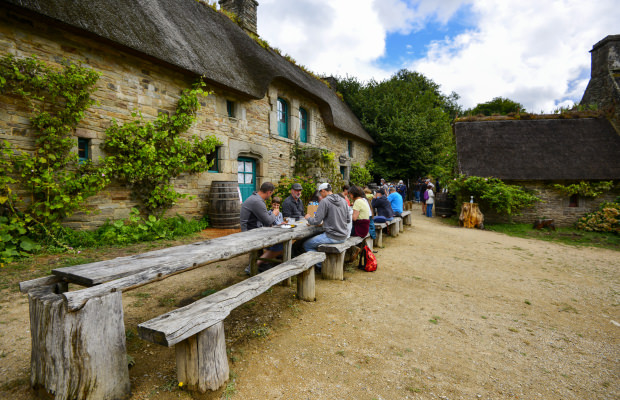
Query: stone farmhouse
148	52
537	153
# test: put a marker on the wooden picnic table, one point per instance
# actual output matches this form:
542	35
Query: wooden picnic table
83	330
124	273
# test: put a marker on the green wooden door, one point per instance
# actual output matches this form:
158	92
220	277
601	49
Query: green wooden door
246	176
303	125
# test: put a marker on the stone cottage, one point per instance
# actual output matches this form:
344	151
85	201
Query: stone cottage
537	153
148	52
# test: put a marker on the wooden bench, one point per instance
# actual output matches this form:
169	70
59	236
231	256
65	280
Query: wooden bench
78	337
333	267
383	225
197	330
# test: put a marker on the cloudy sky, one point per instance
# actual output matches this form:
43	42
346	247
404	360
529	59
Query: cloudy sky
535	52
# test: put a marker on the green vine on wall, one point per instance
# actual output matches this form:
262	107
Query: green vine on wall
51	182
148	155
586	189
308	158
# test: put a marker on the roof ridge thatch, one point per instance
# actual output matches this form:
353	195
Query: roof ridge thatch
529	116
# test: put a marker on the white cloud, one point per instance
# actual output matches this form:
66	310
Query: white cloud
333	38
534	52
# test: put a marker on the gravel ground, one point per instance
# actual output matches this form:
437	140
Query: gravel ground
451	313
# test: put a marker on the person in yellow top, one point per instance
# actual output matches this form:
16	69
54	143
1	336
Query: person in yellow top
361	212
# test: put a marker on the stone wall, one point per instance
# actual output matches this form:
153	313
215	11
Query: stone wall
555	205
132	82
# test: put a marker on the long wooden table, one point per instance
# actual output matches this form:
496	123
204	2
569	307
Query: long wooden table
83	331
125	273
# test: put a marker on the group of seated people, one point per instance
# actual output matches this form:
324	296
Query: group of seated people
342	215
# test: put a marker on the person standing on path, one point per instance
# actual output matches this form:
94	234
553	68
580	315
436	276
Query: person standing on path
423	187
430	200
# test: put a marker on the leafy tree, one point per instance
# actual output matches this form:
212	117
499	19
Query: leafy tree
409	118
496	106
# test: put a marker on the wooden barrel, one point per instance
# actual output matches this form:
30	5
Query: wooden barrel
444	205
224	205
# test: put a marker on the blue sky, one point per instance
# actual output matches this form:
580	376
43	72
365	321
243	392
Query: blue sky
535	52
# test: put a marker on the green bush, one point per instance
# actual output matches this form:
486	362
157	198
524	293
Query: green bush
134	229
605	219
499	196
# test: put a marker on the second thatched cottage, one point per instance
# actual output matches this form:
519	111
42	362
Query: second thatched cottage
540	152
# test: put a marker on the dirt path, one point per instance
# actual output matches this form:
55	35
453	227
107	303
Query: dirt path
450	314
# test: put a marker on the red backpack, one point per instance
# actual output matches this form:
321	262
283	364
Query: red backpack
368	261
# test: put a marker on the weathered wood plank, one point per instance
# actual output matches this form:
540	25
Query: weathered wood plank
340	247
78	355
180	258
168	267
176	326
26	286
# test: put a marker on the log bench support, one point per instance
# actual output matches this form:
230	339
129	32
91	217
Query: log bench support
379	233
395	226
333	267
407	219
77	355
197	330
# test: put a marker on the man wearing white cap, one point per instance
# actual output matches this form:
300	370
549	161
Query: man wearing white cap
430	201
333	212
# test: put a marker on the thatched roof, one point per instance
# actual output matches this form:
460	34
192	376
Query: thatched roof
540	149
192	36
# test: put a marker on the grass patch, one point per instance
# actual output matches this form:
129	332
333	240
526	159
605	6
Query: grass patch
569	236
166	301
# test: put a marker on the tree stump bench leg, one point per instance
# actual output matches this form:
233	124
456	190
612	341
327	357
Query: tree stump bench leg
379	240
287	255
394	228
333	266
305	285
401	225
202	363
78	355
368	241
253	264
408	220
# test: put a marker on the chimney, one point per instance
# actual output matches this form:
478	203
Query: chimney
603	89
245	10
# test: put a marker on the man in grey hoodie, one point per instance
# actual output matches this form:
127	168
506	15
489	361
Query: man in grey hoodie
333	212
